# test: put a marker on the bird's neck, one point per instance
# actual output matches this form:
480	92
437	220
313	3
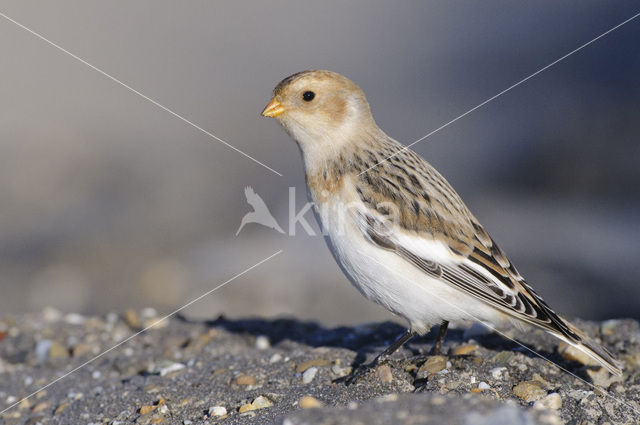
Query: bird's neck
336	150
325	170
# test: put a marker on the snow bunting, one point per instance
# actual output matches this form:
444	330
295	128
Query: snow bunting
398	230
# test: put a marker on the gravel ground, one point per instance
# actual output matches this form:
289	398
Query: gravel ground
288	372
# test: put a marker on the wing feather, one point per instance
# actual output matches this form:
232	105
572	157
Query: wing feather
407	196
499	286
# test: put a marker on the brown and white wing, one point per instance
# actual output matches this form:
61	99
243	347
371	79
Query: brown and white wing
426	223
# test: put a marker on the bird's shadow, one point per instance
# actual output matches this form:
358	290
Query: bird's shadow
370	339
363	338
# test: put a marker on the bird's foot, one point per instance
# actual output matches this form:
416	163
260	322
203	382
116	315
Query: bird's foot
436	350
437	345
420	385
363	370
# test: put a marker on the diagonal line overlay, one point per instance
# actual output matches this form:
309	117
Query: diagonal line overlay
131	89
610	30
493	328
129	338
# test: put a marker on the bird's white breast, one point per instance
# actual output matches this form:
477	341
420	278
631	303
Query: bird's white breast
386	278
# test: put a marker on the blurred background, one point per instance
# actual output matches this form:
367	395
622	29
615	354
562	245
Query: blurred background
108	202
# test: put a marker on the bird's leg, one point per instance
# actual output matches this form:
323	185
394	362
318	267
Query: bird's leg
437	346
421	384
380	359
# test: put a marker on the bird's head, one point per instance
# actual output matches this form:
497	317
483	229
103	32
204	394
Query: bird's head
321	110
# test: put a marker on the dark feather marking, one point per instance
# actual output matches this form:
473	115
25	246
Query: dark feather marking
415	181
399	167
504	279
392	184
416	206
382	209
474	273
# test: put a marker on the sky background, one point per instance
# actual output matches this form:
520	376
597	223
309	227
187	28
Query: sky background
109	202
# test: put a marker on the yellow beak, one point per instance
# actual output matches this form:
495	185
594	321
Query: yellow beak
273	109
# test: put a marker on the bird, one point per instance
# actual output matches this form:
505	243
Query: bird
260	213
398	230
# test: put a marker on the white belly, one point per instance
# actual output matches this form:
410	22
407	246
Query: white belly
384	277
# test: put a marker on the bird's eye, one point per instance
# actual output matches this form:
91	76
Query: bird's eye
308	96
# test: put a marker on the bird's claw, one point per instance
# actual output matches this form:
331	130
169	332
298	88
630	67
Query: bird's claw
419	385
362	370
359	373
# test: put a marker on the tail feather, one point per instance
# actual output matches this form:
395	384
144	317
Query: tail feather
592	349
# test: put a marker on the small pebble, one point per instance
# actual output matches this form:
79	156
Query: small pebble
217	411
602	378
58	351
632	360
309	402
497	372
543	382
146	409
75	319
43	405
199	342
74	395
383	373
433	364
42	350
552	401
244	379
465	349
262	402
170	368
258	403
529	391
483	386
50	314
275	358
245	408
309	374
608	327
341	371
132	319
81	349
262	342
112	317
151	389
160	403
453	385
155	323
502	357
315	362
186	401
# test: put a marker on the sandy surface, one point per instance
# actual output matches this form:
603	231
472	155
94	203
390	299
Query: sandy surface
288	372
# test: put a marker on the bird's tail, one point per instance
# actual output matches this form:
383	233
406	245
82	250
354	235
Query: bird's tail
592	349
